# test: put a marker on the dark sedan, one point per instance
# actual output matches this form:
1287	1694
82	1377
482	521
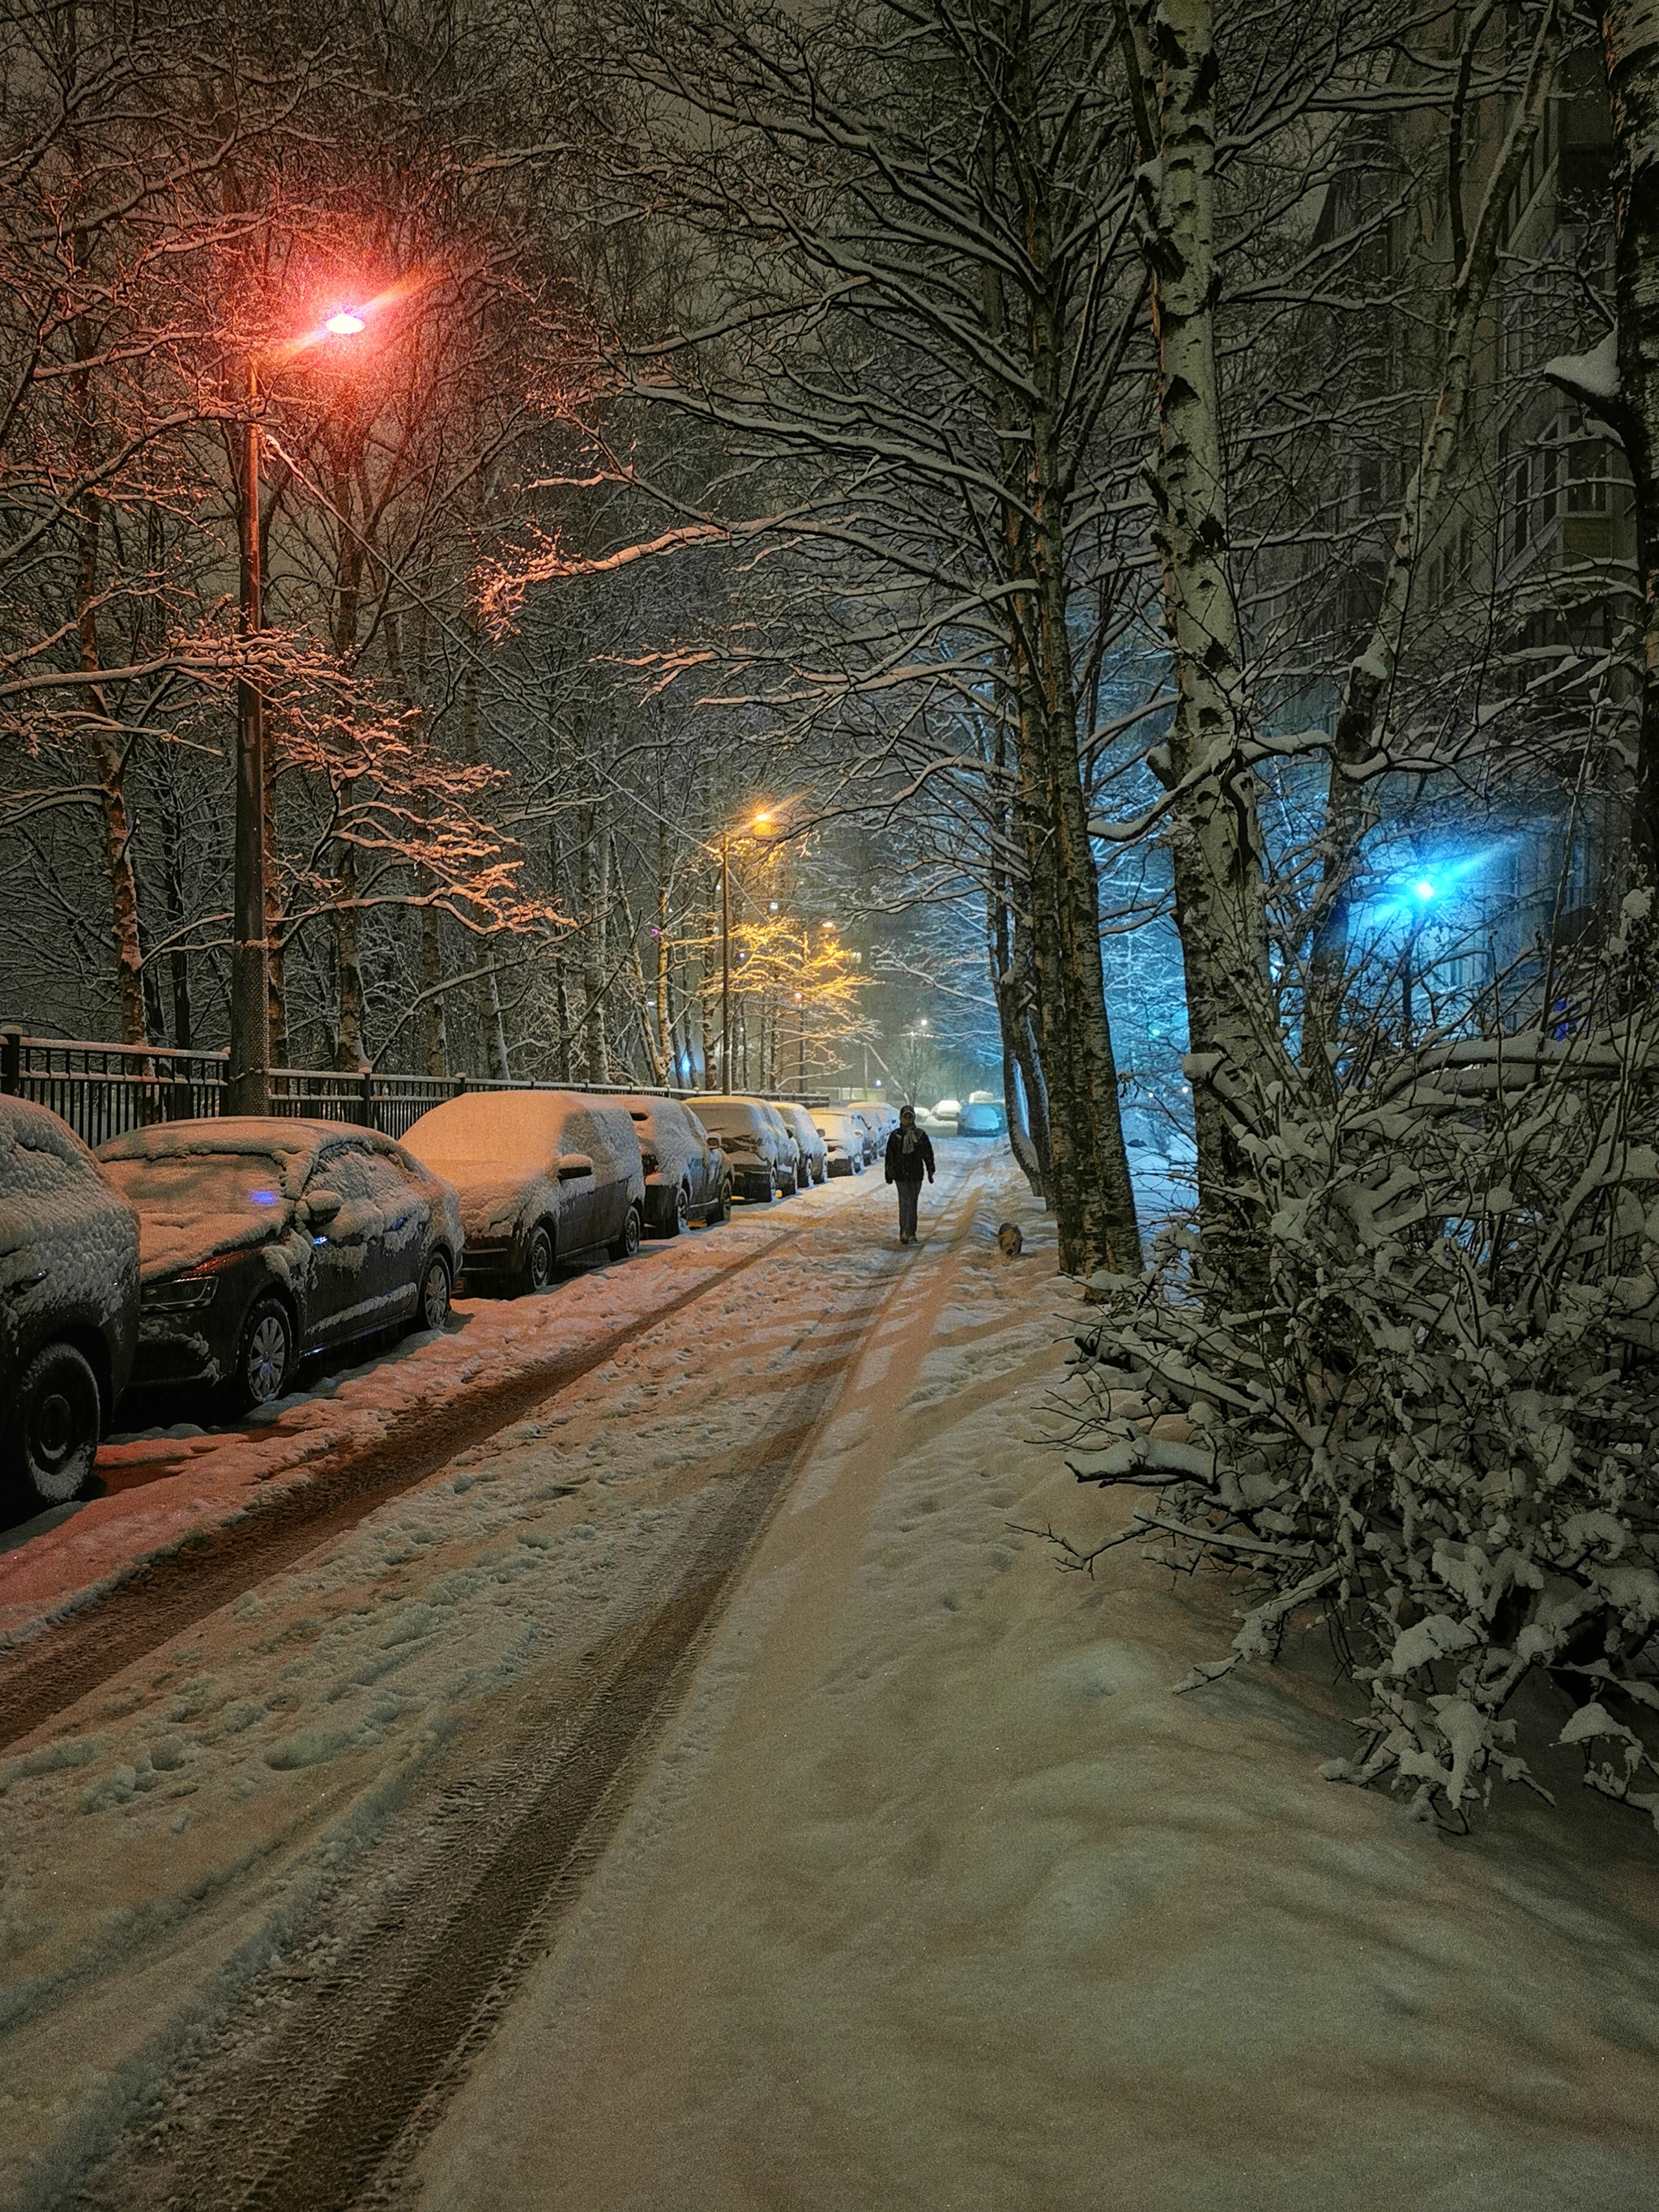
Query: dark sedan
68	1304
753	1140
686	1178
264	1241
543	1176
814	1154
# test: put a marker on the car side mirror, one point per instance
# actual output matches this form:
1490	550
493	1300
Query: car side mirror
574	1166
713	1142
322	1206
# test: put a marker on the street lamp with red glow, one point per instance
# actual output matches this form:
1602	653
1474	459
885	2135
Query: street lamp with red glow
247	1075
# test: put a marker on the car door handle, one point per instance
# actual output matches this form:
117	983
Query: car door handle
28	1282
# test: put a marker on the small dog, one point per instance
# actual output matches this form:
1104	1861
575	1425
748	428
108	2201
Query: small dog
1010	1242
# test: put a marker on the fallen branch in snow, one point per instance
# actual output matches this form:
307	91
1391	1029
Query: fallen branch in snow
1443	1423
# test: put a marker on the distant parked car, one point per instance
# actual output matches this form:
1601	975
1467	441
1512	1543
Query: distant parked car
870	1136
882	1117
790	1178
979	1118
686	1177
843	1140
753	1140
543	1176
814	1161
261	1241
68	1304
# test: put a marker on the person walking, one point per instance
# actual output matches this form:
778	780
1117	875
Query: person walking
909	1155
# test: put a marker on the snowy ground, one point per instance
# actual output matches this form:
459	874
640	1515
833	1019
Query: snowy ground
181	1821
161	1486
939	1898
933	1895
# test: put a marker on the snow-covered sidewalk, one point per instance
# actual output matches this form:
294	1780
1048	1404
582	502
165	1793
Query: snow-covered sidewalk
938	1897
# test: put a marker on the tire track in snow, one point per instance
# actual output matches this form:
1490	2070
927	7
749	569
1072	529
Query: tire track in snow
168	1594
321	2107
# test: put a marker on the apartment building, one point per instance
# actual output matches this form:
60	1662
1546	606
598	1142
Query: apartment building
1517	665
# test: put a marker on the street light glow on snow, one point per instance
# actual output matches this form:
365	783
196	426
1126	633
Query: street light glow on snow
345	325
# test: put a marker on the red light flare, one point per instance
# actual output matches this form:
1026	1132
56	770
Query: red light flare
351	319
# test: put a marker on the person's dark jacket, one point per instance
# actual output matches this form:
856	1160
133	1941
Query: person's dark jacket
904	1166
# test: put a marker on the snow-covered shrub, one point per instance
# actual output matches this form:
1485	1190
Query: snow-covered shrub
1440	1433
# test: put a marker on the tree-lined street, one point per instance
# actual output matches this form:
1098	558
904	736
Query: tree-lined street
627	633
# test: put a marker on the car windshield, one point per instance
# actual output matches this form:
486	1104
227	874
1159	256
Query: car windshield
240	1188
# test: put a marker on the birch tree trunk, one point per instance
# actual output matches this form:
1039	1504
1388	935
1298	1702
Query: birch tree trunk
565	1041
108	756
665	1048
1089	1173
1219	867
593	894
434	1018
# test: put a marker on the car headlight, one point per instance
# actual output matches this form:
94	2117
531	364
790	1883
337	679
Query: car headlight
182	1292
194	1287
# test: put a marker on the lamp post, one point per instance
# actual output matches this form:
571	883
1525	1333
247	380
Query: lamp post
247	1074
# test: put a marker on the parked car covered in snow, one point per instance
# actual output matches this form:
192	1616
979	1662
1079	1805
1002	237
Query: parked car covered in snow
814	1161
752	1138
980	1118
871	1135
68	1304
843	1136
686	1178
261	1241
543	1176
789	1174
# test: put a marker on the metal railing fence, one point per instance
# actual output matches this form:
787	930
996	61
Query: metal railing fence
103	1090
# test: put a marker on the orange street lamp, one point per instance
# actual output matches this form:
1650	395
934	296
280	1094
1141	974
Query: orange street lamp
247	1075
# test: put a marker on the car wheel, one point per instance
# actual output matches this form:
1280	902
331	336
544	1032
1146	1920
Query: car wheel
58	1418
682	1220
266	1357
804	1176
537	1273
432	1310
719	1208
625	1246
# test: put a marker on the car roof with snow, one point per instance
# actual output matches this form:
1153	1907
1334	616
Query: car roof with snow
723	1109
522	1131
37	1129
293	1144
673	1135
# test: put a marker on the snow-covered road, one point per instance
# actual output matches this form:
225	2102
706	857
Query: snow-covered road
544	1841
163	1833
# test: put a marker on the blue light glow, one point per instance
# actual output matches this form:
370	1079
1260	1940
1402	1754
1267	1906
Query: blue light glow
264	1197
1425	890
